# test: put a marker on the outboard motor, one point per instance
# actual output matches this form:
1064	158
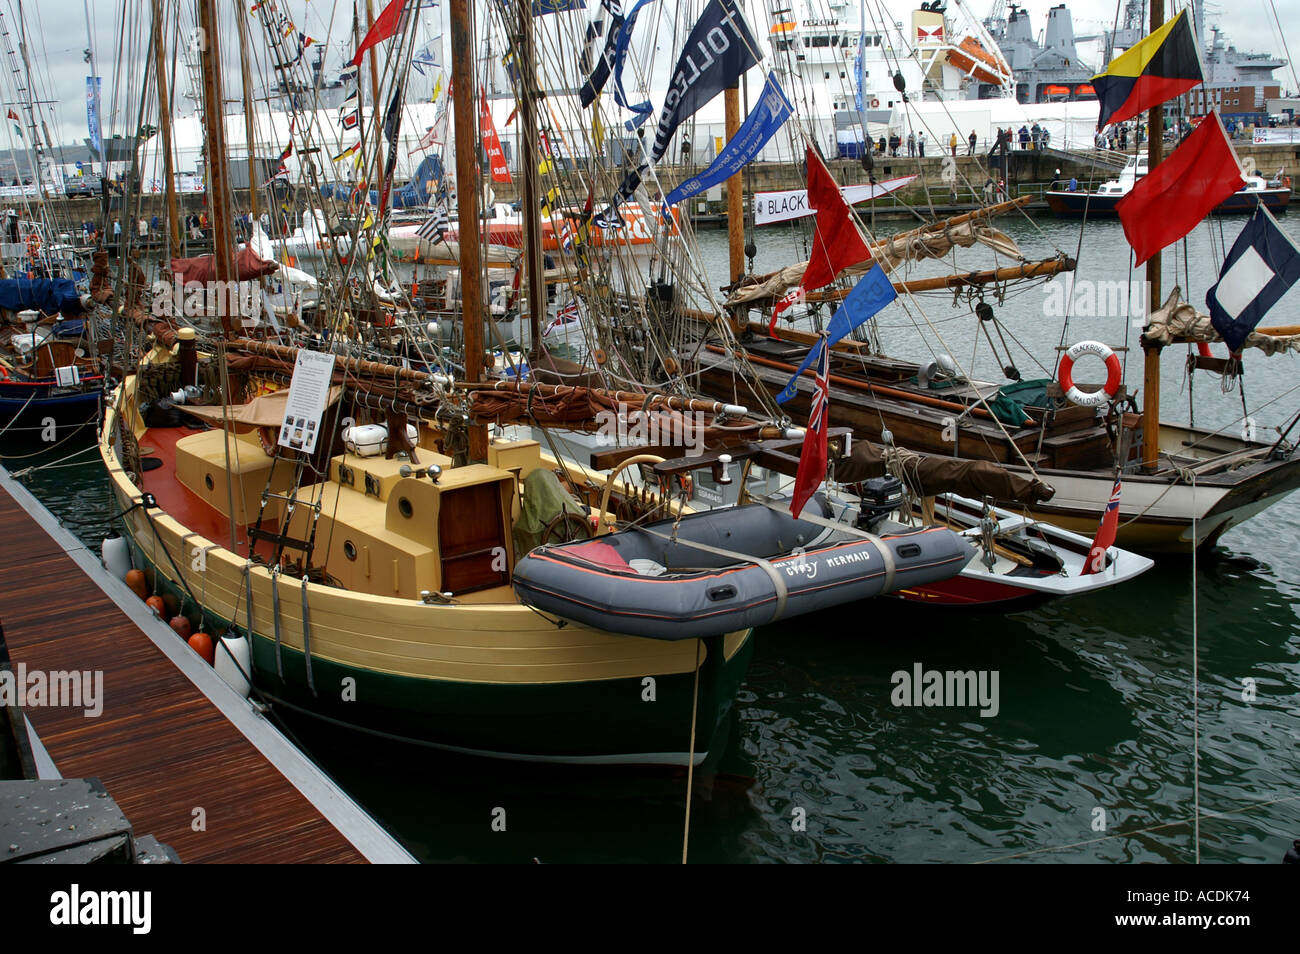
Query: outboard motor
878	498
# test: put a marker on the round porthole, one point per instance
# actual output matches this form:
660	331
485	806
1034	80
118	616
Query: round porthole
349	549
404	507
207	482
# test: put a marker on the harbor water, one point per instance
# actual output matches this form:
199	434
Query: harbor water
1089	755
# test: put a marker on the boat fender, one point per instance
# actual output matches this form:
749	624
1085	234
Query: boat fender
4	372
1114	371
875	104
233	662
115	554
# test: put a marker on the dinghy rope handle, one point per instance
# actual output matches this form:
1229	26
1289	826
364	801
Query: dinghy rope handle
1065	374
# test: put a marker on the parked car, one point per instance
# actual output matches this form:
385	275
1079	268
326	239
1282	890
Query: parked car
82	186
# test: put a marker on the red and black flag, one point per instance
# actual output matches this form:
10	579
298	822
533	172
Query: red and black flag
1160	67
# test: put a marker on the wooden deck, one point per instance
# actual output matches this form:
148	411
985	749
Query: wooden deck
172	736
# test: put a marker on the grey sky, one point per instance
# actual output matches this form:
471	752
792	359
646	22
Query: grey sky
56	31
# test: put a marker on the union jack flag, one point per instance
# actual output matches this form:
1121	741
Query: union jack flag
812	459
567	315
1106	533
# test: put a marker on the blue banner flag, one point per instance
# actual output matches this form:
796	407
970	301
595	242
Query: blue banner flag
602	67
92	116
717	53
869	295
761	125
643	110
1261	266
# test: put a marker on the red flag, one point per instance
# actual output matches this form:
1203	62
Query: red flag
837	243
491	144
1105	538
385	25
13	116
1171	199
812	459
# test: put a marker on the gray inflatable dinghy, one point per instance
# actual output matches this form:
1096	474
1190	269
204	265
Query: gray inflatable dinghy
729	569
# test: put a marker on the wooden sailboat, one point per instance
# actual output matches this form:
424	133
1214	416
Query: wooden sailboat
1042	435
415	632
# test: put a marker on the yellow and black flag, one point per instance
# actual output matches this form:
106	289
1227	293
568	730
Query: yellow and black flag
1160	67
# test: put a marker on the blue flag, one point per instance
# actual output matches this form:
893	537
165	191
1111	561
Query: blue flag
643	110
1261	266
92	117
718	51
869	295
773	110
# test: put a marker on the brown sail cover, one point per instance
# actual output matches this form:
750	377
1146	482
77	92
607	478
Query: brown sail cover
927	475
202	268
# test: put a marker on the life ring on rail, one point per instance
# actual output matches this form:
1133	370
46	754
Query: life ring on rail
1065	374
875	104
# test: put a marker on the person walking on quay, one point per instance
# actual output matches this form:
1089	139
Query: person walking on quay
143	227
972	140
952	143
920	144
911	143
1024	137
117	229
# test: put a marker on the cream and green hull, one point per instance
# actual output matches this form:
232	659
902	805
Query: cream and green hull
494	678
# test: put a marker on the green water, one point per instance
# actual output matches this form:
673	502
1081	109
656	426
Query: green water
1096	696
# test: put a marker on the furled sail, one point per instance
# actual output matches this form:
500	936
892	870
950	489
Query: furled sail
1178	321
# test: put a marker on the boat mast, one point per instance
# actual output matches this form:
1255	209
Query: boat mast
1151	352
214	128
532	225
735	187
249	140
374	103
165	127
467	185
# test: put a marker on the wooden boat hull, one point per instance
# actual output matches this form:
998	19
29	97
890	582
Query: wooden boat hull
1076	204
1158	512
33	404
486	676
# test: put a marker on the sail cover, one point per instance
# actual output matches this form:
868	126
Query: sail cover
47	295
201	269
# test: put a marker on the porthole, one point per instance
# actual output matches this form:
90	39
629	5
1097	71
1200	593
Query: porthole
349	549
208	482
404	507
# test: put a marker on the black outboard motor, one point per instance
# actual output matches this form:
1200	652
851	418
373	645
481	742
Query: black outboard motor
878	497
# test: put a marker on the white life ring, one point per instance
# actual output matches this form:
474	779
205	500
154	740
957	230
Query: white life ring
1065	374
875	104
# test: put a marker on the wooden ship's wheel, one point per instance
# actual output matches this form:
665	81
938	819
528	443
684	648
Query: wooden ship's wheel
567	526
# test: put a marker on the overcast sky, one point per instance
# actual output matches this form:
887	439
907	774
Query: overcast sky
57	31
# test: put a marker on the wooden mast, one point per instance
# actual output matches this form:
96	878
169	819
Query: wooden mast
173	216
735	190
374	97
248	122
533	264
467	186
1151	352
215	144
